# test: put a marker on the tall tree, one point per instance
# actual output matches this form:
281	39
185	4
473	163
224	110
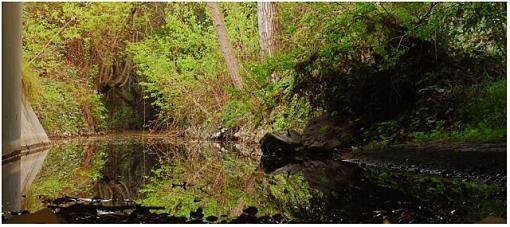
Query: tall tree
269	28
225	45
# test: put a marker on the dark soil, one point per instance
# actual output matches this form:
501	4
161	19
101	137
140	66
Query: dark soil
483	162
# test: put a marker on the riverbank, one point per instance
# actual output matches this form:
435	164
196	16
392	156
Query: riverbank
484	162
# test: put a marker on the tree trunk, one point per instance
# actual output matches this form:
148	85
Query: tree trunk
269	28
225	45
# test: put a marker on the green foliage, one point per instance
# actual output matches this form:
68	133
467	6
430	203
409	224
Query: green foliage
64	45
290	115
57	111
31	84
488	109
177	63
478	28
235	112
178	78
393	67
98	109
271	103
484	114
478	113
480	132
241	21
60	112
401	71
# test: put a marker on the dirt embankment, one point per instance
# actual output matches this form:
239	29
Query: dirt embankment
482	161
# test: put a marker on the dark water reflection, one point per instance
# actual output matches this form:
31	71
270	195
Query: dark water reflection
225	182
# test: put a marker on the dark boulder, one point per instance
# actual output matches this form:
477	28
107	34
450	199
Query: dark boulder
251	211
196	215
326	133
279	143
212	218
279	149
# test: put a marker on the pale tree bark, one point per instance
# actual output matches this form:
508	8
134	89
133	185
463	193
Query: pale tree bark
225	45
269	28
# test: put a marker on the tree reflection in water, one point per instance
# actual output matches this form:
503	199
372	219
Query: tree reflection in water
206	182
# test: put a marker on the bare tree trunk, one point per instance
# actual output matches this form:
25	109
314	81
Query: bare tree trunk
225	45
269	28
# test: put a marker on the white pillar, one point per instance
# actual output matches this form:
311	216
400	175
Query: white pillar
11	102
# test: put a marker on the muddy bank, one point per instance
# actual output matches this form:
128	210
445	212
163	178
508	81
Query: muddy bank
485	162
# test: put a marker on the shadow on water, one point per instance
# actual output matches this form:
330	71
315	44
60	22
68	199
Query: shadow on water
140	179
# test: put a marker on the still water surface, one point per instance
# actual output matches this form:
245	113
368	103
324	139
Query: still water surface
225	180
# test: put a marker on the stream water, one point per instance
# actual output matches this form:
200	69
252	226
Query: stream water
210	182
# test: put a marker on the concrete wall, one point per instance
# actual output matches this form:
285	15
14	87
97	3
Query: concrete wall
32	132
20	170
